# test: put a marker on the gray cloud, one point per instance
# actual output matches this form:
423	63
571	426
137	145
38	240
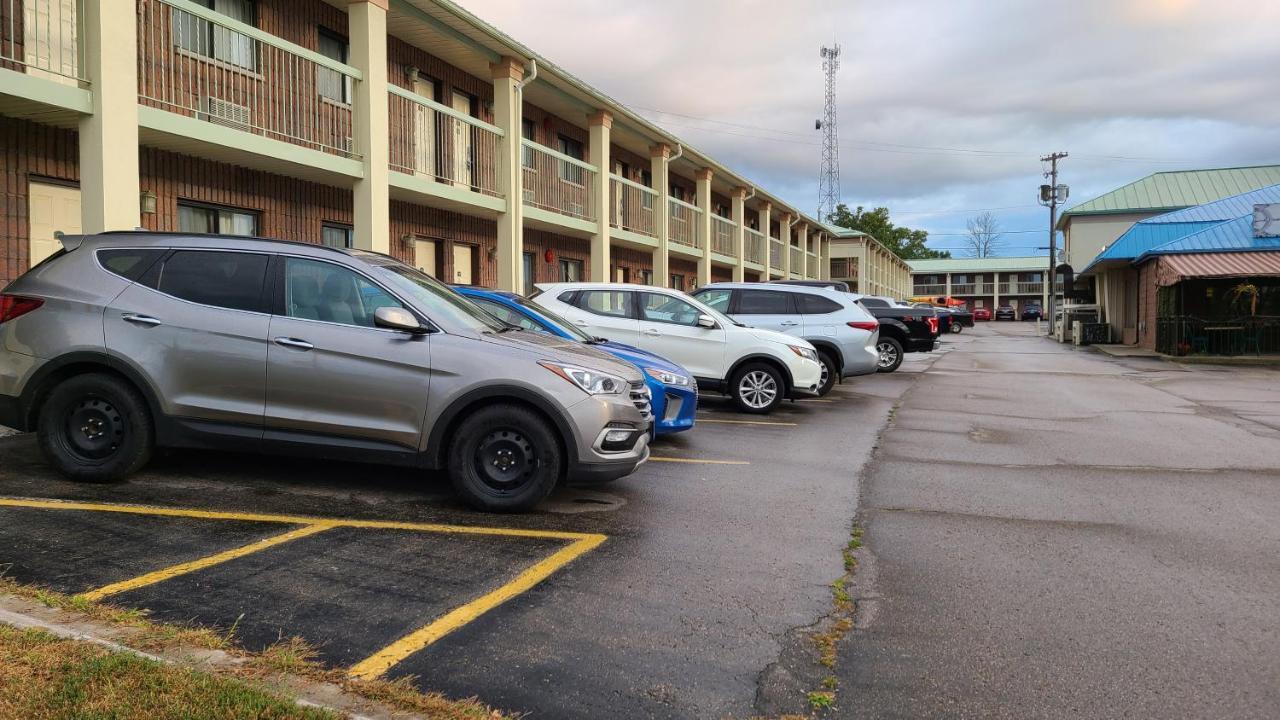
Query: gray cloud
1177	83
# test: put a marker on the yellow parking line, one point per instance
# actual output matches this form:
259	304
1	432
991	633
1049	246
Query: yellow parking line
695	461
746	422
286	519
378	663
173	571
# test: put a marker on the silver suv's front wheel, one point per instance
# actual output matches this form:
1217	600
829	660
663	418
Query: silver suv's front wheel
504	458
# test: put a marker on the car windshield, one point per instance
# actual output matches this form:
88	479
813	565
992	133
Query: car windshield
438	300
574	331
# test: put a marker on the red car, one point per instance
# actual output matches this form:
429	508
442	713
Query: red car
981	314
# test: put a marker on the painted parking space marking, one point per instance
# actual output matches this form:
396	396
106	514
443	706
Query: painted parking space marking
383	660
173	571
695	461
747	422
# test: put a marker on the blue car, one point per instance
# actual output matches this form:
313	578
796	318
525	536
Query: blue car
675	394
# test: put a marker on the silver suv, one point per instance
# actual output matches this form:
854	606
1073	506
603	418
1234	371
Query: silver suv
123	342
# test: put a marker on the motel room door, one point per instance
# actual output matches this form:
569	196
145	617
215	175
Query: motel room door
425	139
461	171
51	208
463	258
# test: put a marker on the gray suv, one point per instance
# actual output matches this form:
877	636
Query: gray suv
122	342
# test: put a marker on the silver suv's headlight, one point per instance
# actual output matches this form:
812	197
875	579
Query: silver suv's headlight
592	382
804	352
666	377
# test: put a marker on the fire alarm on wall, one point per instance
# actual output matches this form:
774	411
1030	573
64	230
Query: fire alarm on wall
549	256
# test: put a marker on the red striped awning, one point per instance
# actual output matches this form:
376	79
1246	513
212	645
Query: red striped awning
1176	268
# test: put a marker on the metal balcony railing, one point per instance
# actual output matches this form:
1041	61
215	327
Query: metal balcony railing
775	253
963	288
797	260
203	64
557	182
753	246
929	289
42	38
631	206
437	142
683	224
722	236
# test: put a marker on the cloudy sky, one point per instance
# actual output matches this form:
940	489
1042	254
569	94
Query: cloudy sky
944	106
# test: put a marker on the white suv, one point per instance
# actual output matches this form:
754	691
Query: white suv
757	368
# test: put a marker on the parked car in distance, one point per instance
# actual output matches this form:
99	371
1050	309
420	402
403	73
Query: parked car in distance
1006	312
962	317
123	342
757	368
842	331
1032	312
982	314
903	329
674	392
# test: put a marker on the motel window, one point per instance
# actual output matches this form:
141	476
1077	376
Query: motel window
529	131
332	84
646	277
570	271
336	236
529	263
677	281
203	37
214	219
568	171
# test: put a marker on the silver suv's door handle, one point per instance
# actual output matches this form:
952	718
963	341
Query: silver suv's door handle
294	343
140	319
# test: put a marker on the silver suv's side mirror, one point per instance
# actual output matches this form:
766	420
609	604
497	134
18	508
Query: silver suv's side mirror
706	321
394	318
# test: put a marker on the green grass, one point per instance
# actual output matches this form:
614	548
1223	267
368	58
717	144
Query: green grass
46	677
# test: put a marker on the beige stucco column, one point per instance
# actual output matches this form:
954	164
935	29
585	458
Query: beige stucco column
802	237
703	178
659	156
739	218
947	291
824	262
507	74
109	188
367	21
600	123
784	234
765	211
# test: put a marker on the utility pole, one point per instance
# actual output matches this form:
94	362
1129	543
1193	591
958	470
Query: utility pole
829	174
1050	196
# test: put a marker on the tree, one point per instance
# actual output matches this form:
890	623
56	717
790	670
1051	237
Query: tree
984	235
904	242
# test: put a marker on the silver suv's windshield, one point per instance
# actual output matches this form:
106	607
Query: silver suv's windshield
441	303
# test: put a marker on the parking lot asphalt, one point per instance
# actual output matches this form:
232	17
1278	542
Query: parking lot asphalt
1055	533
667	594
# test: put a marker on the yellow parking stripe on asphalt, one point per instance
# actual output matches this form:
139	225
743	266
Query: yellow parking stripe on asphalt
173	571
697	461
380	662
747	422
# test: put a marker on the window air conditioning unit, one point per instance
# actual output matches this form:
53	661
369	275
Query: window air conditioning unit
228	114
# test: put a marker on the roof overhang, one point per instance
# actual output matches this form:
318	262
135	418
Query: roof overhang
1176	268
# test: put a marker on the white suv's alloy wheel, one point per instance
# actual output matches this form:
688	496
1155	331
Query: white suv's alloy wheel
757	389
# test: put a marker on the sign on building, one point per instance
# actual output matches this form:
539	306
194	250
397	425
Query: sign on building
1266	220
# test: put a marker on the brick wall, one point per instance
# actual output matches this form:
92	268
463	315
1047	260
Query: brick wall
687	268
1146	310
28	150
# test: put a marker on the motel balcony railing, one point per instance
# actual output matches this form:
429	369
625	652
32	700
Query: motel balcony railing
797	260
1021	288
436	142
202	64
631	206
919	290
753	246
963	289
722	235
682	228
41	38
557	182
775	253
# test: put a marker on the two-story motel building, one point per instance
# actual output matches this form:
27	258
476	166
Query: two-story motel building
408	127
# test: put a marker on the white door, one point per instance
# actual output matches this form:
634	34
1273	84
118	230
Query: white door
669	327
424	256
461	171
462	255
50	30
619	274
425	139
53	208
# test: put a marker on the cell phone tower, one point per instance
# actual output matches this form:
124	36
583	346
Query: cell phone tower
829	175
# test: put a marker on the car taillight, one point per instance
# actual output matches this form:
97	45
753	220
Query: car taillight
868	325
15	306
933	325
